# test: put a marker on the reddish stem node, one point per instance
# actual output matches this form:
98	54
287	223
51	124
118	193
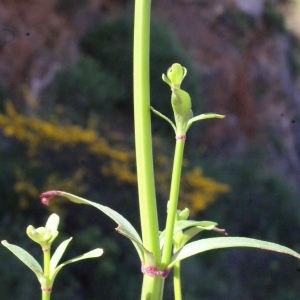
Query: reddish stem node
180	137
45	289
150	270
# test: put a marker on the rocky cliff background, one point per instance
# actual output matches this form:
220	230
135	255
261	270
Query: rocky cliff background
246	62
68	63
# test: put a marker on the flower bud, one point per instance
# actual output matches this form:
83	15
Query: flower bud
42	235
180	99
175	75
181	103
184	214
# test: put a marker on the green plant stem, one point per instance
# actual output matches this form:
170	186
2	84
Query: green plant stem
142	123
46	294
177	282
173	200
152	288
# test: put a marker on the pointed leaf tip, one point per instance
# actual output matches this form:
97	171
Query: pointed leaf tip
45	197
228	242
52	222
58	254
91	254
163	117
125	226
220	230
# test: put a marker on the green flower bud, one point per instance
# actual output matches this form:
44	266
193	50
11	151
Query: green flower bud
178	211
175	75
42	235
181	101
184	214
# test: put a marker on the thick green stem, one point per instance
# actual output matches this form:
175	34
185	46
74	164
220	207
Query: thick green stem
152	285
142	124
177	282
46	293
173	200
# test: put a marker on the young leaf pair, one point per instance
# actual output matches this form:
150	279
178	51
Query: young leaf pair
45	236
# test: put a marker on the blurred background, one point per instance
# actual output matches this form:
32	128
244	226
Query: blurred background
66	123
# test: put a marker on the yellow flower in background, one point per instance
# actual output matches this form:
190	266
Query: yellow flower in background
115	158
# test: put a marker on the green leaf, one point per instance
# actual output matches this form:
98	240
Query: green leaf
180	225
91	254
189	234
52	223
166	80
125	228
124	225
26	258
145	255
227	242
164	117
58	254
204	116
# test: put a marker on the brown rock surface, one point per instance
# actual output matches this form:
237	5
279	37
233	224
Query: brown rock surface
245	74
244	66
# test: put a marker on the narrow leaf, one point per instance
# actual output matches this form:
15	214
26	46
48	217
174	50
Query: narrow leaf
58	254
144	255
166	80
189	234
204	116
180	225
53	222
26	258
227	242
91	254
124	227
164	117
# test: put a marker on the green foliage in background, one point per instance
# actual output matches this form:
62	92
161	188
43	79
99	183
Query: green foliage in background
59	155
100	83
85	94
85	90
261	204
238	21
273	18
69	7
